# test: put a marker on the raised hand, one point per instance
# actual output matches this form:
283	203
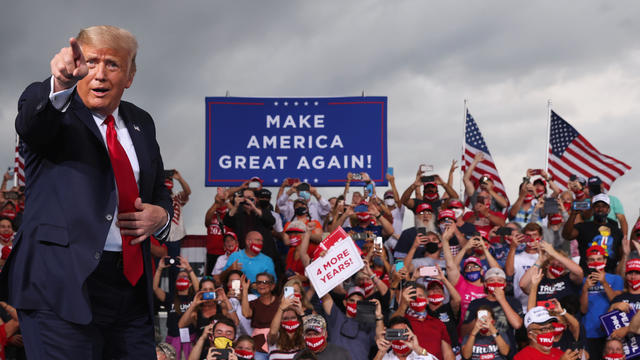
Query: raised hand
68	66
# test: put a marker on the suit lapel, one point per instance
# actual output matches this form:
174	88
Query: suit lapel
84	115
139	143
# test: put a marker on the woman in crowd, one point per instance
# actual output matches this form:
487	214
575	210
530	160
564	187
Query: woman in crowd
285	336
206	308
485	338
401	349
186	286
244	347
261	310
613	349
234	277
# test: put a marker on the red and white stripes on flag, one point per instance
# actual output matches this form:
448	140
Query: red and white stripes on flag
18	171
571	154
474	143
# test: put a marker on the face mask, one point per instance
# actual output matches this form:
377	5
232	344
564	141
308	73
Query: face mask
478	252
6	237
169	184
419	304
304	195
378	272
634	284
614	356
435	299
431	247
11	214
596	265
458	212
473	275
431	196
363	216
244	354
256	248
540	192
556	270
368	286
301	211
579	194
389	202
484	331
528	198
315	343
555	220
351	309
599	218
222	342
182	284
491	287
559	328
399	347
567	206
295	240
290	326
442	227
545	340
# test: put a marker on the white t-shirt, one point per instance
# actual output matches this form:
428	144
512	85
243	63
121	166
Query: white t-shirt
413	356
244	327
220	263
398	218
521	263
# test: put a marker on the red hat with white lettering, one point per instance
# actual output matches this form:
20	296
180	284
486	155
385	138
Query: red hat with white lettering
422	207
446	214
456	204
596	250
632	265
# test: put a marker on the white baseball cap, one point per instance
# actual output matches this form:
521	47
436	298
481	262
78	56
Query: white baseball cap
601	197
537	315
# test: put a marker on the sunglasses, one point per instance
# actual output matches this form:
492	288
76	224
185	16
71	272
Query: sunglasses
206	278
264	282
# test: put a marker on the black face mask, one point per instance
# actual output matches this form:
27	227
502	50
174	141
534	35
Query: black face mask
431	247
301	211
599	218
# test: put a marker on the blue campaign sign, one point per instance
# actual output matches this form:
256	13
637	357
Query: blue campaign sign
318	140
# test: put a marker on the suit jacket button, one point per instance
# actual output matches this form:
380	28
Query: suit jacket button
97	255
109	217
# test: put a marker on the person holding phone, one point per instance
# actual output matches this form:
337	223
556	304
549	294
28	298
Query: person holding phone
424	221
408	349
178	231
524	207
485	183
630	297
214	222
317	209
186	285
485	338
430	184
216	339
540	333
233	283
261	310
285	336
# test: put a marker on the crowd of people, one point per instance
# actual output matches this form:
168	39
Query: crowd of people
476	277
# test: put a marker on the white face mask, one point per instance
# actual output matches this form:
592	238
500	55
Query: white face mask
458	212
389	202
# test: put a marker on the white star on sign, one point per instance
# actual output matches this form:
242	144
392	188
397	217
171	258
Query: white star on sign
275	103
286	103
306	180
315	180
275	180
306	103
295	103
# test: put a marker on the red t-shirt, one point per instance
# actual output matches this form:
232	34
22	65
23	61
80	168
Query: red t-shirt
483	223
530	352
3	341
430	333
215	238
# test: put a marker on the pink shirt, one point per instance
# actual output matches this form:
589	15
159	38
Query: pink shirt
468	292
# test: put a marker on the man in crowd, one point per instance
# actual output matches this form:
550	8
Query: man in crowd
317	209
315	337
89	253
251	261
485	183
540	331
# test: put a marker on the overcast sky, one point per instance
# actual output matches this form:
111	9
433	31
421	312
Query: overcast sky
506	57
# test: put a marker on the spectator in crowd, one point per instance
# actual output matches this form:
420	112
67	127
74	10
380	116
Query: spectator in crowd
431	247
186	286
370	224
506	310
431	195
616	211
6	239
214	222
205	309
263	197
298	234
630	297
251	260
392	201
261	310
540	332
552	232
431	333
244	218
447	312
485	340
301	294
401	349
613	349
599	288
178	231
9	329
345	330
165	351
563	339
478	247
522	211
485	183
600	231
285	336
230	246
316	340
524	260
234	294
562	277
244	347
423	219
215	336
482	217
317	210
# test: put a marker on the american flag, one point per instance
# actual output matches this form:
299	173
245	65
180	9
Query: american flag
571	154
474	143
18	165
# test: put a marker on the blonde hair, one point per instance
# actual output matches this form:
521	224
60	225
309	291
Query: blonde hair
111	37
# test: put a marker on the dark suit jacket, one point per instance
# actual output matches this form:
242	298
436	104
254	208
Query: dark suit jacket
70	201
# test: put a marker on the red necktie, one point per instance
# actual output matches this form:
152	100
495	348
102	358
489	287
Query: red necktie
127	194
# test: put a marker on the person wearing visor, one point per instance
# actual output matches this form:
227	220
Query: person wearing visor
345	330
600	231
317	209
540	333
316	340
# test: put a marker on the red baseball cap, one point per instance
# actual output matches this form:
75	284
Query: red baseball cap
456	204
596	250
422	207
433	283
471	259
444	214
633	265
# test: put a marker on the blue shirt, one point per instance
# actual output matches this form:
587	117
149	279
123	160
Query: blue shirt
252	266
599	304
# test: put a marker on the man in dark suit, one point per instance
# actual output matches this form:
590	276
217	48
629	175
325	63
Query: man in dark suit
80	271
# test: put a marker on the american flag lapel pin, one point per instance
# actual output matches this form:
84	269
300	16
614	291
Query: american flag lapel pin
136	127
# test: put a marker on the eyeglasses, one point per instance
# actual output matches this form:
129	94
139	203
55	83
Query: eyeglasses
264	282
206	278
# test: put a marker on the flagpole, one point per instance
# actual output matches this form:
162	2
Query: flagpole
546	152
464	133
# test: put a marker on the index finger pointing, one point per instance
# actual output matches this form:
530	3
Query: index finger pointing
75	48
